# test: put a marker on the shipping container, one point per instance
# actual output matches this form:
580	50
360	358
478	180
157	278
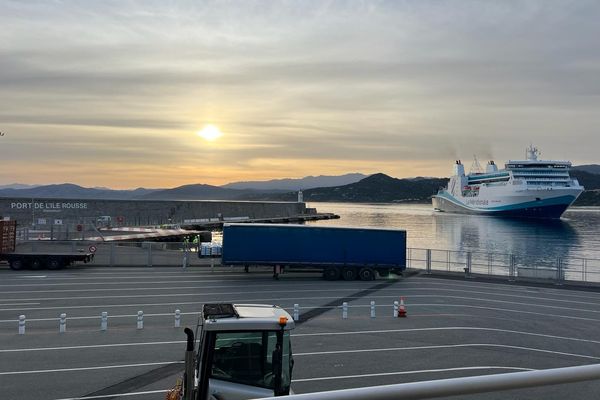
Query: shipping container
340	252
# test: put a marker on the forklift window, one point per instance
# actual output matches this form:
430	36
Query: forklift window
247	358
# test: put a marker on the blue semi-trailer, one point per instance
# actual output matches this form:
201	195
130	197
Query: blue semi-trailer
340	252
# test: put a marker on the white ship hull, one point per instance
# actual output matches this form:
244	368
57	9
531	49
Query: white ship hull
529	188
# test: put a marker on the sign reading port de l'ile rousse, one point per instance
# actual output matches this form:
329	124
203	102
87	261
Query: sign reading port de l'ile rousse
44	205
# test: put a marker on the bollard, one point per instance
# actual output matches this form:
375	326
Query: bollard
21	324
344	310
140	320
372	309
104	321
62	325
395	309
296	312
177	318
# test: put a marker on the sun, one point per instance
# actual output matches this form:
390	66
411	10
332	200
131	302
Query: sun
210	133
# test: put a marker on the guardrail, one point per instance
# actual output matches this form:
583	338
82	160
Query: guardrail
511	266
458	386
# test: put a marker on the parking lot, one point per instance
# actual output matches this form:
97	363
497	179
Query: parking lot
454	328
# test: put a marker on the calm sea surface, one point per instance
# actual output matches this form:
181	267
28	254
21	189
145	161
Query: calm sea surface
576	234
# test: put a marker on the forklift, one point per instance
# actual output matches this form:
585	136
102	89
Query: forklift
244	352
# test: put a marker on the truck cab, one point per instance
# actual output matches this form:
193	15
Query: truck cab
244	353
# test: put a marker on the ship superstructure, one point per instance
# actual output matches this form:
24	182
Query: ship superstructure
524	188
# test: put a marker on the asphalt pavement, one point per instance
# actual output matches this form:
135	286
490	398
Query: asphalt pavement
454	328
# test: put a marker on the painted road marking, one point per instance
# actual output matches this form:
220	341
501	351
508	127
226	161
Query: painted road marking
445	346
59	370
179	288
424	371
272	299
300	335
112	396
44	371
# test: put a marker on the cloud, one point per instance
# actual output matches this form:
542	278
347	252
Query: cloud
400	85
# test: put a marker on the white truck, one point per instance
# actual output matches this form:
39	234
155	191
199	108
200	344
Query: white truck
244	352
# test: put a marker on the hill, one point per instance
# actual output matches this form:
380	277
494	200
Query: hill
590	168
377	188
589	181
70	191
290	184
194	192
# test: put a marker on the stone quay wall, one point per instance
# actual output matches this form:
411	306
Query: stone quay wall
34	212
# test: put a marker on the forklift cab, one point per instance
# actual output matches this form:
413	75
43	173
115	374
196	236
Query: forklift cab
244	352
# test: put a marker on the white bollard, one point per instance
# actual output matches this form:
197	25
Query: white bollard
177	318
395	309
296	312
21	324
62	325
344	310
140	320
372	309
104	321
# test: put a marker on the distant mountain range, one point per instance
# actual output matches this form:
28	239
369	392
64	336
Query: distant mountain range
307	182
69	190
591	168
378	188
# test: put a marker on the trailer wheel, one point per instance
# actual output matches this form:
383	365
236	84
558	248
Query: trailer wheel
331	273
16	264
36	263
349	274
384	272
366	274
55	263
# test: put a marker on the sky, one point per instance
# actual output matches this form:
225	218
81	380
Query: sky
102	93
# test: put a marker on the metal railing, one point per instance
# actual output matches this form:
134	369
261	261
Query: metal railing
459	386
470	263
511	266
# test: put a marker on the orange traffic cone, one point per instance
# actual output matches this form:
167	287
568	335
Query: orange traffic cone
402	309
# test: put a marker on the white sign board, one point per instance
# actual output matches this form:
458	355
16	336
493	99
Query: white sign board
58	222
41	221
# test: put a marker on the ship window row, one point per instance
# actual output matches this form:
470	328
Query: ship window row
544	166
479	181
544	178
541	172
546	183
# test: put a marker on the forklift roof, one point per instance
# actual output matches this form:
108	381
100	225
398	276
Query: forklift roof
244	317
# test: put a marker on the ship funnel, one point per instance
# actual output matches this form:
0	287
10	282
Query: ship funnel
491	167
459	169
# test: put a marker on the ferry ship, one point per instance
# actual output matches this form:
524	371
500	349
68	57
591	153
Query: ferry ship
524	188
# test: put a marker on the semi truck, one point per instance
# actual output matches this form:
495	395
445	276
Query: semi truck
339	252
18	260
244	352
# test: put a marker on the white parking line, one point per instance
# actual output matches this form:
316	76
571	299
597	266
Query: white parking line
92	346
504	287
445	346
44	371
183	278
423	371
112	396
448	328
316	334
288	299
278	286
137	296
